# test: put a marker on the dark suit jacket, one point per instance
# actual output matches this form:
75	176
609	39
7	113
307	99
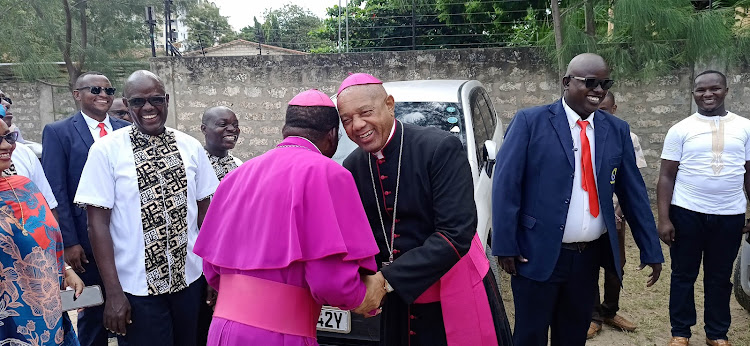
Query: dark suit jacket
66	146
533	182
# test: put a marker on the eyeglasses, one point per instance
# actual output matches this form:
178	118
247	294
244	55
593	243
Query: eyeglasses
591	82
7	99
156	101
96	90
10	137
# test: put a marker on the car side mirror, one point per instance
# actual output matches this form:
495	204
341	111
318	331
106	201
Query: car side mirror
489	153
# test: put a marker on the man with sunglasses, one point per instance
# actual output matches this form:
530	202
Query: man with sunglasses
702	204
552	206
146	190
66	146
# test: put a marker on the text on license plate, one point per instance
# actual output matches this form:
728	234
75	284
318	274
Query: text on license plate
334	320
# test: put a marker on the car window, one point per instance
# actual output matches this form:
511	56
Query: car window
481	133
446	116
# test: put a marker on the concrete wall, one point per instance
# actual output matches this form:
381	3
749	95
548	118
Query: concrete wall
259	87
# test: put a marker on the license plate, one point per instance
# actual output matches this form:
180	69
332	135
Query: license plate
334	320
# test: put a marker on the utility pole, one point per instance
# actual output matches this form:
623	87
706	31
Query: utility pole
556	23
338	45
347	26
151	24
168	27
413	28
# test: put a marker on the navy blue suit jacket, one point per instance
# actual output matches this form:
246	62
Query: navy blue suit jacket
66	146
533	181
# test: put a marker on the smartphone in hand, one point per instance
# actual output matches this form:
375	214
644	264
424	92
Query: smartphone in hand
91	296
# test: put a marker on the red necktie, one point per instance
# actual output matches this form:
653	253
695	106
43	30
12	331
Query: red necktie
102	131
588	181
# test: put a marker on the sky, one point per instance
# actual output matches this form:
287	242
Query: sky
241	12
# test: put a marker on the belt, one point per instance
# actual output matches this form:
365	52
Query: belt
579	246
267	304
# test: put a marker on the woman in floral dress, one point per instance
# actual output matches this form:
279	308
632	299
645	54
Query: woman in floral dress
31	262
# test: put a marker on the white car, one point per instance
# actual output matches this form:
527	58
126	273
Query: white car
742	275
461	107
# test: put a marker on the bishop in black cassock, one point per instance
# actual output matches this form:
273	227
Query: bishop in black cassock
419	180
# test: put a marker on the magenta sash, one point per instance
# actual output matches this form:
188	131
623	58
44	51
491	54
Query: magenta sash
466	310
267	304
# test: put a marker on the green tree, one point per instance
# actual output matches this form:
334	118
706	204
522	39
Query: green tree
85	35
294	25
650	38
206	26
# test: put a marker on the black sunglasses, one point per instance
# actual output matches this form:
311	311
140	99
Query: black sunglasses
96	90
138	102
7	99
11	137
591	82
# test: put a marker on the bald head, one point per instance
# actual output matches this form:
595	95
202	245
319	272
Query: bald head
585	62
138	77
215	112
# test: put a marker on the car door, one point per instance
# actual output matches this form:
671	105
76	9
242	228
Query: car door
487	141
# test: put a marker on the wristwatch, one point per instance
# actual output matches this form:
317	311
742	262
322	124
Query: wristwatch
388	287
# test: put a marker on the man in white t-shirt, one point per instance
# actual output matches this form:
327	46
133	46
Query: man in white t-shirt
702	206
146	189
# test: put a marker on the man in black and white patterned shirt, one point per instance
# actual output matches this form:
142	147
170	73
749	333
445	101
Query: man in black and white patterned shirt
147	189
221	130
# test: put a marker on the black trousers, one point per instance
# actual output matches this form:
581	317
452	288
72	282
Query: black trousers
608	307
716	239
165	319
91	330
562	303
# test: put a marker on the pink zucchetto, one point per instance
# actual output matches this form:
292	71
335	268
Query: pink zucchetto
312	98
358	79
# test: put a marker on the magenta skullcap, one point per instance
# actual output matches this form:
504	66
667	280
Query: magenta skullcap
358	79
312	98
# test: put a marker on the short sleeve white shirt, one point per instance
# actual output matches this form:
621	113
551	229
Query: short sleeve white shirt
109	180
28	165
712	152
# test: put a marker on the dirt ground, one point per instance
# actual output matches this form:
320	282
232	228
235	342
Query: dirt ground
648	307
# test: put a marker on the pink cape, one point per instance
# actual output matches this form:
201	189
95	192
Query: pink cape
289	204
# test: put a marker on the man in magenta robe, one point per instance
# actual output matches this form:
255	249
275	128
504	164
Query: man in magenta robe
285	234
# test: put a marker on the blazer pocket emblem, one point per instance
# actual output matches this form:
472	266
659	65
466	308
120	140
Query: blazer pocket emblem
613	176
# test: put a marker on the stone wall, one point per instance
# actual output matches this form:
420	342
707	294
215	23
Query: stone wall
259	87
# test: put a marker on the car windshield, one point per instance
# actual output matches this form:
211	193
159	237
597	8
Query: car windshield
446	116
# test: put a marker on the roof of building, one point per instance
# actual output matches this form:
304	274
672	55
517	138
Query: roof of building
241	42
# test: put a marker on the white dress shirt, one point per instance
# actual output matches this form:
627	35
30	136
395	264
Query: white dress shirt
580	225
109	180
93	125
28	165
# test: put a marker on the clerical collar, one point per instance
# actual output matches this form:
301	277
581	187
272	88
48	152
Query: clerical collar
379	154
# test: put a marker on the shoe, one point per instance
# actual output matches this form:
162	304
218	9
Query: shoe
620	322
718	342
678	341
594	329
